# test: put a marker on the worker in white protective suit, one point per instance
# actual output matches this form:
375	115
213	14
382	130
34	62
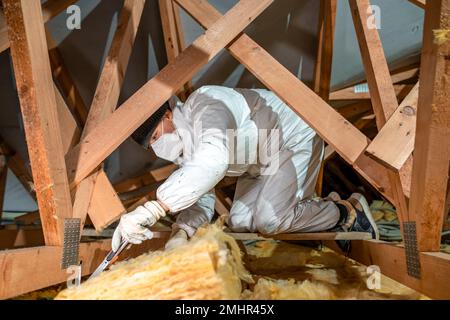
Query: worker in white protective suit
251	134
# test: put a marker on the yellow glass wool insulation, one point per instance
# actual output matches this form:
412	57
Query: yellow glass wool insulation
267	289
208	267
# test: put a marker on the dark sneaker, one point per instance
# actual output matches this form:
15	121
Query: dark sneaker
364	220
359	219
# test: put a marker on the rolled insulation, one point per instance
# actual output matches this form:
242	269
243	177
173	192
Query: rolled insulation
209	266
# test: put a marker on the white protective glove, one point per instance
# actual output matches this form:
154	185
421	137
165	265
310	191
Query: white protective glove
133	226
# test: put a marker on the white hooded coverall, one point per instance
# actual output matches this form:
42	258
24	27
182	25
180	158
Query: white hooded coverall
275	188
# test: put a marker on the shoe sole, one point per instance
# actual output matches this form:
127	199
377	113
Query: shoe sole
334	196
366	209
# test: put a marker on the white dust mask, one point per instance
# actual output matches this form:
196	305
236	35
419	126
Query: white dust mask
168	147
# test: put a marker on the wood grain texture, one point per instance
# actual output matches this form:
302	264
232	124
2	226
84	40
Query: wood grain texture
308	105
50	9
350	94
420	3
435	267
20	264
382	93
173	36
39	110
70	132
104	206
324	62
18	166
3	176
65	82
98	144
394	144
432	147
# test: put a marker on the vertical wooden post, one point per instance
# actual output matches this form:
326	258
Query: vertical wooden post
173	36
37	99
91	192
3	174
432	142
382	93
324	61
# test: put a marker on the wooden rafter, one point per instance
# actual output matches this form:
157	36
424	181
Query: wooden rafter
394	143
435	280
3	174
327	21
70	131
383	96
297	95
50	9
391	259
324	61
97	145
105	206
21	264
147	178
205	14
92	193
432	147
349	93
65	82
37	99
16	164
420	3
173	36
21	238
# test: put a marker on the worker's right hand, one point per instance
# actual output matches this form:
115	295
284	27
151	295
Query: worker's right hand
133	226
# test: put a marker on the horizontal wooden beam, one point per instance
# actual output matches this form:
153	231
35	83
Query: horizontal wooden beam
394	143
307	104
10	239
350	94
205	14
99	144
304	236
28	218
435	267
30	269
150	177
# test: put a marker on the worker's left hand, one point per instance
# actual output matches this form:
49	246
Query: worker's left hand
133	226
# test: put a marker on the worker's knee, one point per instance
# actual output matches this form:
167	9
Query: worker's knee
267	224
240	219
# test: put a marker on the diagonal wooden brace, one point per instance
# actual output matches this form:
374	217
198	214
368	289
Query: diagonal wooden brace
349	143
99	144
